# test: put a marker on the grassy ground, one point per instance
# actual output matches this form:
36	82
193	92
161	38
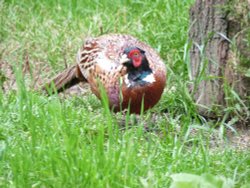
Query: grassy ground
77	142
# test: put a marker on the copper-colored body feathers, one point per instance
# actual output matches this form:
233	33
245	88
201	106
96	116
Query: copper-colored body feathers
101	61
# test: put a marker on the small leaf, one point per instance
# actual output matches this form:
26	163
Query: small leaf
218	181
245	186
247	73
184	180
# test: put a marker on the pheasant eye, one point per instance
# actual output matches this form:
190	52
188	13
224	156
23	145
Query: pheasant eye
134	53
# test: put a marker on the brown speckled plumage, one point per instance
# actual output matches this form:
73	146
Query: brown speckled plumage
100	60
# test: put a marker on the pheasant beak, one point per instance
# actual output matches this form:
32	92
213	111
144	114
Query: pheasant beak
124	59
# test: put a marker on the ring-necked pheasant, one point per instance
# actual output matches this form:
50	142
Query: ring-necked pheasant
129	70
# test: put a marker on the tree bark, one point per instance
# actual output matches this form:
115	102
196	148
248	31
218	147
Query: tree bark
214	62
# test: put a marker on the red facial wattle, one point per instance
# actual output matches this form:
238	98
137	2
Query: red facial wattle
136	57
137	61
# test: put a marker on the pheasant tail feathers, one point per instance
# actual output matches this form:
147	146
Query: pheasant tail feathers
65	79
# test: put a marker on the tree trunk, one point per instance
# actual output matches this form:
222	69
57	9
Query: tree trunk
218	35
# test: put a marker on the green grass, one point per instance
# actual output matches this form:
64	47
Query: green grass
77	142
